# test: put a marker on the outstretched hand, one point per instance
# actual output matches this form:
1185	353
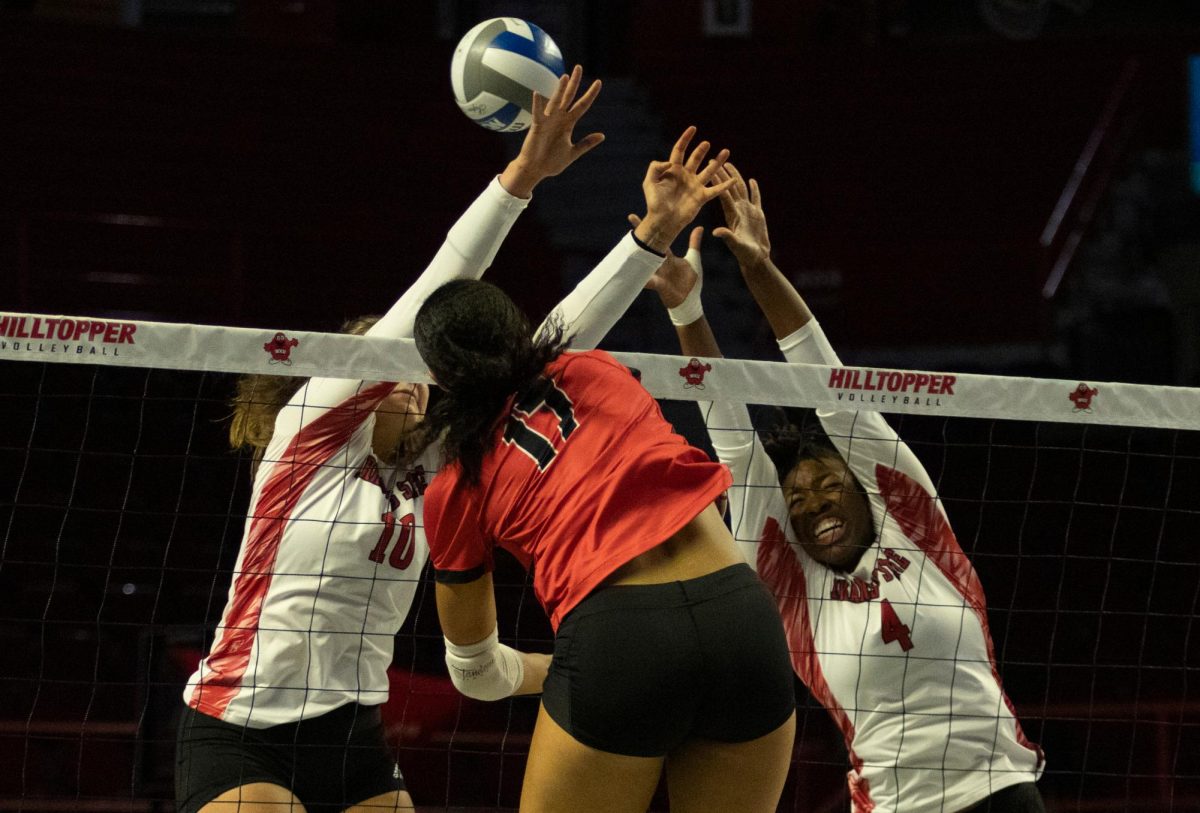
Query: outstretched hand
676	189
548	148
745	229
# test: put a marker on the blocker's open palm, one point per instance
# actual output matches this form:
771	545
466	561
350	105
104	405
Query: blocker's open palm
745	229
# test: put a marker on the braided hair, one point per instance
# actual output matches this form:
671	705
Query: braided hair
797	435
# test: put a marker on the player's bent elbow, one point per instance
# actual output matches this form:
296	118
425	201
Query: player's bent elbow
485	670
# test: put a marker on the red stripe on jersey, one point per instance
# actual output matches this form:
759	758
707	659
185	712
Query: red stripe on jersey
311	448
922	521
782	573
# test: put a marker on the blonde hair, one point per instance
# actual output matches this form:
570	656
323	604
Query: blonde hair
258	398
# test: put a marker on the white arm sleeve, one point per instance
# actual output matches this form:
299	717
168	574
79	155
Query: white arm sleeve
755	494
470	247
603	296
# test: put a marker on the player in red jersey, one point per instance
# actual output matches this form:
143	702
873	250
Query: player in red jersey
668	651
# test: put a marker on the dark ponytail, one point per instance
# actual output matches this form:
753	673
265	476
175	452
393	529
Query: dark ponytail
480	349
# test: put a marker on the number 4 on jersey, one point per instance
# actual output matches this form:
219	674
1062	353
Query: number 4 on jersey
891	627
520	431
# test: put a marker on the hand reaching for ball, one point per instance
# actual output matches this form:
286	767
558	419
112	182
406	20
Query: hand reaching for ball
548	148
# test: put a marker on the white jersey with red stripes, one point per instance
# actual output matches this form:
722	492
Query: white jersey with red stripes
333	544
326	574
898	650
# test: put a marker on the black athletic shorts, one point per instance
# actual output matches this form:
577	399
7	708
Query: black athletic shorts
639	669
329	762
1022	798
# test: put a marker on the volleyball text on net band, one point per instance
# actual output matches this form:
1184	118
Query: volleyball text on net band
215	348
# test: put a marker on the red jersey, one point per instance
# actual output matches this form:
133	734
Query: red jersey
584	475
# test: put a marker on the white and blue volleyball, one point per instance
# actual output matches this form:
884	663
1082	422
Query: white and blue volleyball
496	68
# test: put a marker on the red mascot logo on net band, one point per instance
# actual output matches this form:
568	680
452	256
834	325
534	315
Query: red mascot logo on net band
693	374
1082	397
280	349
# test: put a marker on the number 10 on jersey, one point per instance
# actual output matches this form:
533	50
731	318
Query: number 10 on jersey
403	550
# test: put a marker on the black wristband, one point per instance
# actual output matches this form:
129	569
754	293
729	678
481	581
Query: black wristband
642	245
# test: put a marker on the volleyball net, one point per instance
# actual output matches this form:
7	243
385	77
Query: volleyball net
122	510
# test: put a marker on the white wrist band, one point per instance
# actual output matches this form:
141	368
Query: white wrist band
690	309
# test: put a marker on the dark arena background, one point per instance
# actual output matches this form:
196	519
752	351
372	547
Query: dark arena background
982	186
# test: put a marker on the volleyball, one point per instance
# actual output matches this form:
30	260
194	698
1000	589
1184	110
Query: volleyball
497	66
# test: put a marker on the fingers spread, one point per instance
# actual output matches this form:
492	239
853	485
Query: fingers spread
741	182
736	193
572	87
556	97
713	191
680	148
588	142
721	175
713	165
697	156
728	207
585	101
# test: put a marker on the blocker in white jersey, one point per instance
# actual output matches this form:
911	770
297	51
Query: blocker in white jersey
334	542
285	705
896	648
327	570
885	616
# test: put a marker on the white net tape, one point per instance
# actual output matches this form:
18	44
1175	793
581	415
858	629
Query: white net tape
82	340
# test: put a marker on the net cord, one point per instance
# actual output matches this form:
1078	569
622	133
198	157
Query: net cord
215	348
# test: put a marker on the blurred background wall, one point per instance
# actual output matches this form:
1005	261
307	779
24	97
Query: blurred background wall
980	185
991	185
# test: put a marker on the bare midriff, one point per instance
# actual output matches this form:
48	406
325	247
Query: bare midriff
701	547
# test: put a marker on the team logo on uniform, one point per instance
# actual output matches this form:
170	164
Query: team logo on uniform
280	348
693	374
1082	397
414	484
